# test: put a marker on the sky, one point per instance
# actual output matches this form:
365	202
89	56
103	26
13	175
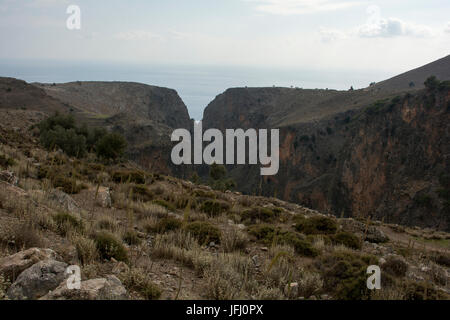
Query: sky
384	37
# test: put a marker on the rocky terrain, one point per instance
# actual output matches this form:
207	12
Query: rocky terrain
137	234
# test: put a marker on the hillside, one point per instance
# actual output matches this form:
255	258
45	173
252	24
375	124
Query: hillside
17	94
415	78
139	235
107	99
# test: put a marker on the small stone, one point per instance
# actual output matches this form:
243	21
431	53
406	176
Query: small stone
264	249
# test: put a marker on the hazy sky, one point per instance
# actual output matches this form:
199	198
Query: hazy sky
394	35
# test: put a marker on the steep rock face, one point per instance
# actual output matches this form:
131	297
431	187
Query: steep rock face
384	159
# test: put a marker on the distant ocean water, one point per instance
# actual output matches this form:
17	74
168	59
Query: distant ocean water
196	85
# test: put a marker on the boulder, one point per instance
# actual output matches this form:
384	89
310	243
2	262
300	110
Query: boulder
10	177
12	266
65	201
103	197
109	288
38	280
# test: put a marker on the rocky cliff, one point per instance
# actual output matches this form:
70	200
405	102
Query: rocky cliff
388	159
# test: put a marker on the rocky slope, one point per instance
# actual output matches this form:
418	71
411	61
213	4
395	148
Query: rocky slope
135	234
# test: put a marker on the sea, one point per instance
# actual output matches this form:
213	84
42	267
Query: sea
197	85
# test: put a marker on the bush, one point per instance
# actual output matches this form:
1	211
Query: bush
431	83
111	146
204	232
110	247
6	162
165	204
303	247
217	171
395	266
442	259
263	232
259	214
347	239
214	207
67	140
316	225
344	274
139	282
131	238
66	222
69	186
86	250
128	176
422	291
165	225
142	193
269	235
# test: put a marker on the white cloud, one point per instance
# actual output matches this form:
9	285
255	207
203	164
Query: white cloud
393	27
447	29
292	7
329	35
136	35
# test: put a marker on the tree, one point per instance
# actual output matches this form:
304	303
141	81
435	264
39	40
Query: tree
217	171
432	83
111	146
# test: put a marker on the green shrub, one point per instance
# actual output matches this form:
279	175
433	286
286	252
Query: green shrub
303	247
138	281
131	238
217	171
69	186
204	194
422	291
263	232
347	239
165	204
204	232
254	215
66	222
214	207
67	140
128	176
442	259
344	274
142	193
6	162
109	247
316	225
111	146
432	83
165	225
395	266
269	235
